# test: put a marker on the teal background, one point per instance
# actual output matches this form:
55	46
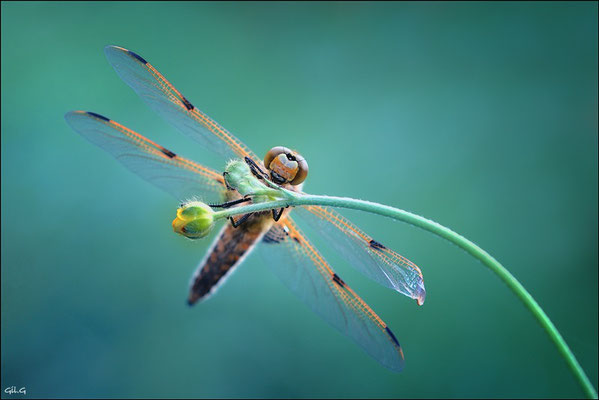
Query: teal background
481	116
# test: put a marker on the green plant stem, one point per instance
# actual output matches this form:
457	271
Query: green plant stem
446	233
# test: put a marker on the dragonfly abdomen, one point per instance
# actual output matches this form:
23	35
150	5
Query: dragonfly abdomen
229	250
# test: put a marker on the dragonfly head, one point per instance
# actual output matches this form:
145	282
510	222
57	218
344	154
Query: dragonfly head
286	166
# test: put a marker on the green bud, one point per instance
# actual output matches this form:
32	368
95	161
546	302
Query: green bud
194	220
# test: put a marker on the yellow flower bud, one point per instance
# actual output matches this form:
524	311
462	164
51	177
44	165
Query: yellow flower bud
194	220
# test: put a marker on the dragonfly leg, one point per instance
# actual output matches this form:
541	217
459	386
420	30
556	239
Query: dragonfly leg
276	214
240	221
256	170
231	203
226	183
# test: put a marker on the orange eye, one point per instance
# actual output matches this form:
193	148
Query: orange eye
302	172
273	153
286	165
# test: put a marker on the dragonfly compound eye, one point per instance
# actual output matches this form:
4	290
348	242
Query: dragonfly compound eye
286	166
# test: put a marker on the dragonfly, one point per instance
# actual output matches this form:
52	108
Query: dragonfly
287	250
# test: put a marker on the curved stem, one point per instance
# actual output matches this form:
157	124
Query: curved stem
293	199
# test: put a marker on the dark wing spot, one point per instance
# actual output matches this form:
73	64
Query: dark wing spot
338	280
296	239
392	336
139	58
168	153
276	234
376	245
103	118
187	104
271	239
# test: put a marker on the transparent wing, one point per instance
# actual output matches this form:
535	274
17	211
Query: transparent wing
305	272
368	256
168	102
176	175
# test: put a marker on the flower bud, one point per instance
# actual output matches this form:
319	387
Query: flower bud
194	220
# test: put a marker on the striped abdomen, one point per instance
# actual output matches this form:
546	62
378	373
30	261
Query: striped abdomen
227	251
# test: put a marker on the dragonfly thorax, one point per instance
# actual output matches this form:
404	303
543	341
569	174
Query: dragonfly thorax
286	166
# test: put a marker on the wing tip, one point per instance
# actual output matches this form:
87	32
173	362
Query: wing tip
114	47
420	294
71	114
396	364
112	50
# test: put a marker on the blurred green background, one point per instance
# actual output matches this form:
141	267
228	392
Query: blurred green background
481	116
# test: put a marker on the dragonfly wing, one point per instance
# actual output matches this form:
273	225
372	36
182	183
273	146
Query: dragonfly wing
305	272
180	177
168	102
368	256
